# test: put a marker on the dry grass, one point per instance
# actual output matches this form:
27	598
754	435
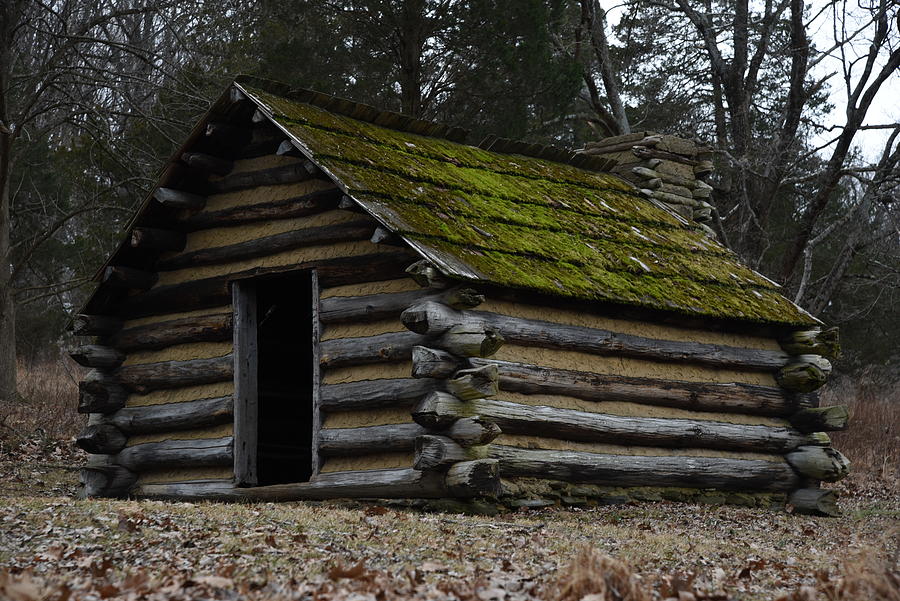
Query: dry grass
46	407
590	574
872	442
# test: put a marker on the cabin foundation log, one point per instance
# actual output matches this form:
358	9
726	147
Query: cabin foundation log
377	484
441	409
177	453
102	477
478	478
701	396
814	501
623	470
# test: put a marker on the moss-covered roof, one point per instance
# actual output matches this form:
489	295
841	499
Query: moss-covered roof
528	223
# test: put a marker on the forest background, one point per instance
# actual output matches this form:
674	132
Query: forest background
95	95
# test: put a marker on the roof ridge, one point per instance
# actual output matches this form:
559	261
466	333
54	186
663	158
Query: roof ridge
432	129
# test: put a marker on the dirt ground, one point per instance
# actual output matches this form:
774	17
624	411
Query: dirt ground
55	547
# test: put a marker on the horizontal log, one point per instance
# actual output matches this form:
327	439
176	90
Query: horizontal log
821	419
699	396
371	306
206	452
147	377
373	394
273	176
101	439
804	373
155	239
652	153
818	341
208	163
215	292
478	478
382	484
583	426
102	477
475	383
472	431
427	275
819	463
436	452
471	340
430	317
179	199
297	206
623	146
99	392
129	277
172	416
269	245
95	325
668	178
433	363
205	328
369	439
625	470
393	346
814	501
96	355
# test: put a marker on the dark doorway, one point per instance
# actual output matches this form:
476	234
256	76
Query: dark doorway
285	371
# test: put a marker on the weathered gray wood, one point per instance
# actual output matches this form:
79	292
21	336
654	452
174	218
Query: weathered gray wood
475	383
298	206
477	478
431	317
155	239
461	297
144	378
814	501
287	147
436	452
700	396
819	463
472	431
348	204
246	395
95	325
804	373
179	199
471	340
215	291
208	163
129	277
374	394
168	417
433	363
101	439
821	419
382	235
381	484
394	346
427	275
316	373
283	174
96	355
99	392
205	452
205	328
369	439
536	420
818	341
371	306
102	477
269	245
625	470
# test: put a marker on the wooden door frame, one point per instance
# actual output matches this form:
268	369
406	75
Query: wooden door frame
246	397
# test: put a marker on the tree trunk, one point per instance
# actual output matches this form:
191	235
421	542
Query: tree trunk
7	302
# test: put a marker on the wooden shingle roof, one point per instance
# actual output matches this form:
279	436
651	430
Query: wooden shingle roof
534	222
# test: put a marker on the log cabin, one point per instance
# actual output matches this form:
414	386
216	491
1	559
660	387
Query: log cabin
320	299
